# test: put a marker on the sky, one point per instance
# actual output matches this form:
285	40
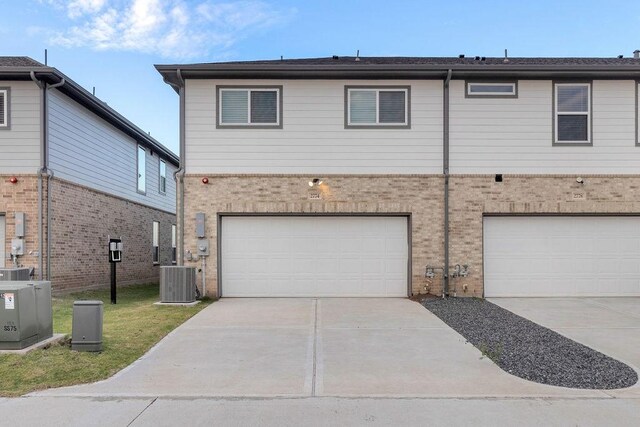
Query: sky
112	45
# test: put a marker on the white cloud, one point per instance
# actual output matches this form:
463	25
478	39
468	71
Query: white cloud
170	28
77	8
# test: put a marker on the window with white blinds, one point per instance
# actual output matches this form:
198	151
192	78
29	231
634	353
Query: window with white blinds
257	106
4	108
492	89
572	113
162	181
388	106
142	170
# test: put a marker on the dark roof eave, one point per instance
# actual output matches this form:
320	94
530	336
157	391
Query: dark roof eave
86	99
387	71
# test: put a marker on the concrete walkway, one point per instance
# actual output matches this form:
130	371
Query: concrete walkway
319	362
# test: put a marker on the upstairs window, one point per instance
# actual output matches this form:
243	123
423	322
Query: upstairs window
4	108
162	180
142	170
492	89
377	107
572	113
156	242
249	107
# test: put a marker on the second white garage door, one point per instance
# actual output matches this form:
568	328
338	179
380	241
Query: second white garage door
314	256
561	256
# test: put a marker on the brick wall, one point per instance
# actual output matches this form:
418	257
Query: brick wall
471	196
21	197
420	195
83	219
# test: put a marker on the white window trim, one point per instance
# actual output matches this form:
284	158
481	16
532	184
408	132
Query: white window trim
160	190
512	94
5	112
249	90
571	113
377	91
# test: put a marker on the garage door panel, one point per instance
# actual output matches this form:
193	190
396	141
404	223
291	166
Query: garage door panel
372	267
314	256
561	256
373	245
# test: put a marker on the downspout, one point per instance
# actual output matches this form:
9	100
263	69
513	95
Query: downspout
42	170
49	179
45	170
445	170
178	175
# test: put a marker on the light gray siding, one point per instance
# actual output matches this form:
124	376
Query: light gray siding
20	143
313	138
501	135
87	150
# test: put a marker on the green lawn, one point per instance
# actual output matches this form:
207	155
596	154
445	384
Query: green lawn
131	327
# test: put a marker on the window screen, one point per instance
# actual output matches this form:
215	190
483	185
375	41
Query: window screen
572	112
4	119
264	107
373	106
392	107
251	106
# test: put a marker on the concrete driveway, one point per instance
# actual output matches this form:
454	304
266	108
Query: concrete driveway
318	347
609	325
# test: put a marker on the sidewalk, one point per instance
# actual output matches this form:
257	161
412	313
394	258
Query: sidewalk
73	411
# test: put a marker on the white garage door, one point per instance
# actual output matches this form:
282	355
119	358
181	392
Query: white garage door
561	256
319	256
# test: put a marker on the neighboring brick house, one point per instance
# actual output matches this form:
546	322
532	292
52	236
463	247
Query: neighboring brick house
362	176
80	172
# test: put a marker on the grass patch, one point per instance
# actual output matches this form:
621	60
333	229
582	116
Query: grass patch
131	327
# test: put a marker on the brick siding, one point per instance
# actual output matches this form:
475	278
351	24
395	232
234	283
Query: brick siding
83	219
421	196
21	197
471	197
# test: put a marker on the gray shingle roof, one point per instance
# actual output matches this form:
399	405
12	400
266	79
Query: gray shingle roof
445	61
19	61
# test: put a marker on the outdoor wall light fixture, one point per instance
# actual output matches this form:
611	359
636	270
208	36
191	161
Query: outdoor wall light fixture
579	180
315	182
13	180
205	180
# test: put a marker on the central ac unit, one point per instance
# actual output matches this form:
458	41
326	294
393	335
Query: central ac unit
15	274
177	284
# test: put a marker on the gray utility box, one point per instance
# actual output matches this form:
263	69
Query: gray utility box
86	330
25	314
177	284
13	274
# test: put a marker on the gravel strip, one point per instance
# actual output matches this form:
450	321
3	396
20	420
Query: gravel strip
528	350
